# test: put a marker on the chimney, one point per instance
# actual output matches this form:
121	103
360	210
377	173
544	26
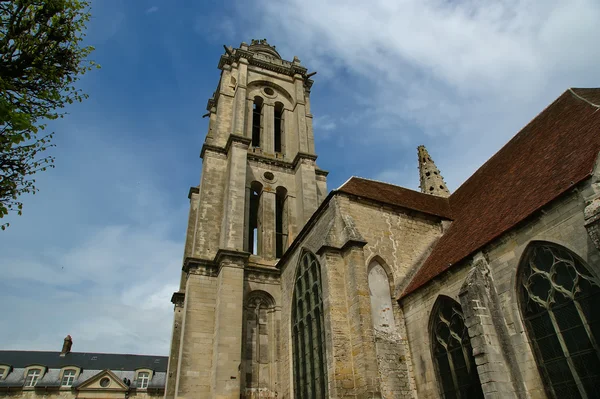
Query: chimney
66	346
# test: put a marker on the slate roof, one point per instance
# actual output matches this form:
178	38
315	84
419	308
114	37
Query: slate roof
95	361
91	364
553	153
397	196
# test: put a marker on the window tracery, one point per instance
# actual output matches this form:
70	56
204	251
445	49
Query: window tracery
560	299
310	374
452	351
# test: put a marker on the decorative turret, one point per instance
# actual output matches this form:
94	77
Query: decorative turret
431	180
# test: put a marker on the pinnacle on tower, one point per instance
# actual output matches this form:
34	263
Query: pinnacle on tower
431	180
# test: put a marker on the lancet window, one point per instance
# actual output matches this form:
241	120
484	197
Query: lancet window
452	351
560	299
254	224
256	120
281	221
310	374
258	344
278	139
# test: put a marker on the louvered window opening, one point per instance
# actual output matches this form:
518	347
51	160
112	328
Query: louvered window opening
310	374
453	353
560	301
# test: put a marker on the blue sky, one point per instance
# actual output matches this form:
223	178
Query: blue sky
98	250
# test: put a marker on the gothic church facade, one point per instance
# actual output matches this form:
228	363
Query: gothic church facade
377	291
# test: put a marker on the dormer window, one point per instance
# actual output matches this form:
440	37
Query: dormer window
32	377
143	379
3	372
68	378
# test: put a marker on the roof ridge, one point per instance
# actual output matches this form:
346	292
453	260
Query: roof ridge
382	182
572	90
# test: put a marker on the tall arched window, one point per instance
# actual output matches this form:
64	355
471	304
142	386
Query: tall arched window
281	223
258	344
254	225
452	351
256	123
310	373
382	311
560	302
278	139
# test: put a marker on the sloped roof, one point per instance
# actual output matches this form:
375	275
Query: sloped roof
397	196
93	361
550	155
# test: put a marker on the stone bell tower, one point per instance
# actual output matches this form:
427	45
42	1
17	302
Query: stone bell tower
259	186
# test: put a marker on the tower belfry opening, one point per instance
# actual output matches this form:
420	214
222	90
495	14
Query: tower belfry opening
278	127
256	121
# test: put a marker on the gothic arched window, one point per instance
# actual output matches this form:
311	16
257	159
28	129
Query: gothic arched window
258	344
452	351
256	120
560	302
278	139
310	374
281	222
254	236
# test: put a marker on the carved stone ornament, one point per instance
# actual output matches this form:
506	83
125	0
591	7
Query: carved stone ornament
592	221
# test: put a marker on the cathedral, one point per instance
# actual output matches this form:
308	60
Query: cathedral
372	290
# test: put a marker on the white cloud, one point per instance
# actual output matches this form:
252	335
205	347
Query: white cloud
102	264
469	74
152	10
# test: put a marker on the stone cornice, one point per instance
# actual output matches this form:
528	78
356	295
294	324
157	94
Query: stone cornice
236	138
275	64
303	155
178	298
233	138
321	172
197	263
230	254
211	147
347	245
193	190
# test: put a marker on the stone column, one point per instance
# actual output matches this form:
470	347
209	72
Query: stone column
239	107
227	341
306	187
494	355
300	112
232	231
268	224
193	378
360	321
268	130
351	363
177	299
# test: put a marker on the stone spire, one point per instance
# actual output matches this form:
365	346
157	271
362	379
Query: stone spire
431	180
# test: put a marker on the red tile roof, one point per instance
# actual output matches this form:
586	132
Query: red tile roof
550	155
397	196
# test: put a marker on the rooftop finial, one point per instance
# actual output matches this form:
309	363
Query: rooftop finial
431	180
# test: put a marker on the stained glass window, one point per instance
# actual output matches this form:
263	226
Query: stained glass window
310	374
452	351
560	302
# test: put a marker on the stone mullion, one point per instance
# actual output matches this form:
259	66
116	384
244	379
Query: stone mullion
452	372
586	326
565	350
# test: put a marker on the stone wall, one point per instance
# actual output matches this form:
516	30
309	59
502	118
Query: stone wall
562	222
347	236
